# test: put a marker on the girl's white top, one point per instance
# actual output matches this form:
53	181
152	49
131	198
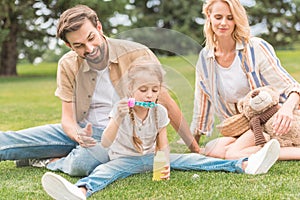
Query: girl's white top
146	130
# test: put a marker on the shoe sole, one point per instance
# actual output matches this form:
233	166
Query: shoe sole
268	161
55	186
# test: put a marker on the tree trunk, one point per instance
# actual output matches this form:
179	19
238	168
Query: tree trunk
9	53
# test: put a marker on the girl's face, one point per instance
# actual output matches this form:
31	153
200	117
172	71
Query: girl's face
221	19
146	88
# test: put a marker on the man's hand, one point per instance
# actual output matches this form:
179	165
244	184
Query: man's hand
84	136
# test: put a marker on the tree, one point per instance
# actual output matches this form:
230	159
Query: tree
182	16
27	26
280	18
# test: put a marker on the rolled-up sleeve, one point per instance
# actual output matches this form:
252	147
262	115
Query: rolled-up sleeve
203	116
271	70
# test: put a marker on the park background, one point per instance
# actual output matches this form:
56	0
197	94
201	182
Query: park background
173	30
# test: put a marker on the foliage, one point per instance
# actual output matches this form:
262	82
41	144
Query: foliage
179	16
28	26
280	18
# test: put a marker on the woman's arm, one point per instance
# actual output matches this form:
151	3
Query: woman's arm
272	73
269	70
284	117
203	116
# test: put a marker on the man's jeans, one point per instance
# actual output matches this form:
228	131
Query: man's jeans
50	141
123	167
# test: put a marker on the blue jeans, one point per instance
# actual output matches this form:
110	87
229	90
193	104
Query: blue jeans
38	142
50	141
107	173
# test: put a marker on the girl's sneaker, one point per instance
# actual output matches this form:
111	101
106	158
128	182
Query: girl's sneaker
59	188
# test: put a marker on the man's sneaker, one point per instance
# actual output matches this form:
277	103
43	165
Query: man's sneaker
264	159
32	162
59	188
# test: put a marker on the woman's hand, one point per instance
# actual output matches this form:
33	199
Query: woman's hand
283	120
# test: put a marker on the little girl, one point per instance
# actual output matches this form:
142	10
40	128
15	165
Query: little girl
135	133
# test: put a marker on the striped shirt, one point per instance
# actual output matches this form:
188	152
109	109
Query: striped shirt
261	66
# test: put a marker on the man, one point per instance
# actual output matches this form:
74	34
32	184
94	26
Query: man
88	82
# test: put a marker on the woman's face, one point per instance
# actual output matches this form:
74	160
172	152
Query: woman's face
221	19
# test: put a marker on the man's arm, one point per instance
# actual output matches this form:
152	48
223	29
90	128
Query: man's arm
81	135
68	120
178	121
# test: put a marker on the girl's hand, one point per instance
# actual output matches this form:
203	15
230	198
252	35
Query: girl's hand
122	109
166	173
283	120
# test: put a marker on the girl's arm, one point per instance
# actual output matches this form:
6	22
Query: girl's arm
162	141
110	132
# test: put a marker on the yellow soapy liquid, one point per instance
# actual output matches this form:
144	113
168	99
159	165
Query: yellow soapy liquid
159	163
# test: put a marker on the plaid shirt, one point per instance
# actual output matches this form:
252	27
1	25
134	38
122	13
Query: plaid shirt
262	67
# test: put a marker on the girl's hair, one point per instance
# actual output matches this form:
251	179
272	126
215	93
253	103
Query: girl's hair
140	66
73	18
241	32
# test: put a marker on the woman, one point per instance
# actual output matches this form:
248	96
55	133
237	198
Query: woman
231	64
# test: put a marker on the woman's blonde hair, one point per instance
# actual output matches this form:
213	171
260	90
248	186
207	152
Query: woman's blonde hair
72	19
137	68
241	32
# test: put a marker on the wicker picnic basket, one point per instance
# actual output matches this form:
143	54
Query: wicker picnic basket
234	126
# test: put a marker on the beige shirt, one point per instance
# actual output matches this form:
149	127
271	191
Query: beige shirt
76	81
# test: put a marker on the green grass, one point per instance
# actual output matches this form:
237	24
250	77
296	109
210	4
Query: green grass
28	100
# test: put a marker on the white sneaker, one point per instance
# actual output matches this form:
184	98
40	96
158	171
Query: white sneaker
264	159
61	189
32	162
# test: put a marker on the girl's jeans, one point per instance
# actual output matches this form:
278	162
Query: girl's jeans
106	173
50	141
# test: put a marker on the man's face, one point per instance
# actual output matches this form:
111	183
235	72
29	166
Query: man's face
89	43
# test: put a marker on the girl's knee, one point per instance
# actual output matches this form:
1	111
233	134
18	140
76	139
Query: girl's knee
80	170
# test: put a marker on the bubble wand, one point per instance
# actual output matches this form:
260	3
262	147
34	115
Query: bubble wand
132	103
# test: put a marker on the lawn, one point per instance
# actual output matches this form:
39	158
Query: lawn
28	100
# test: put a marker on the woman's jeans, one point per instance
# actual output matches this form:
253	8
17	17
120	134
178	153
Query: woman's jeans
123	167
50	141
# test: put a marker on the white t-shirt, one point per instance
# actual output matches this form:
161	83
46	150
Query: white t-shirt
232	81
123	145
103	100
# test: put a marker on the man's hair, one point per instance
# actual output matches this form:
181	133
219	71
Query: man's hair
73	18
